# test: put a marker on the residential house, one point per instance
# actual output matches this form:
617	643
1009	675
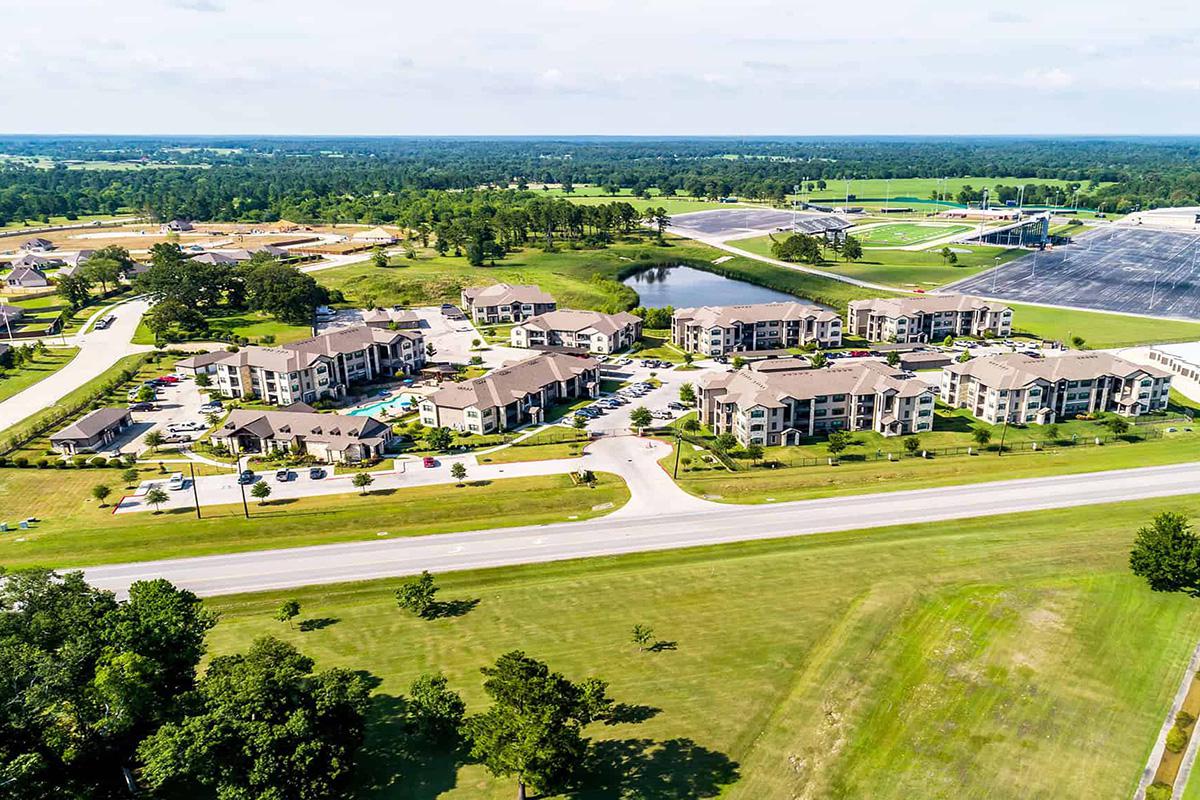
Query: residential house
328	437
177	226
74	261
92	433
514	395
10	316
375	236
585	330
26	278
504	302
1023	389
320	367
31	261
718	330
201	363
927	318
396	318
212	257
780	407
37	245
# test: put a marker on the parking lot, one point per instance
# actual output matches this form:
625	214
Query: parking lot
1134	270
728	223
174	405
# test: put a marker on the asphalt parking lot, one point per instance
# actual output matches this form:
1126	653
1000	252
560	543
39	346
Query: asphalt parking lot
1132	270
723	223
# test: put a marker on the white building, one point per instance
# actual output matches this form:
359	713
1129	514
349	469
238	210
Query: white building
586	330
927	318
717	330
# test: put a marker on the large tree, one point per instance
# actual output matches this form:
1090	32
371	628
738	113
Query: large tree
86	677
282	292
1167	554
262	726
533	730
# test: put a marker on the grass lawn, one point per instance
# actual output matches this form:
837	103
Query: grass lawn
920	188
902	234
80	220
74	532
546	444
259	328
43	366
656	344
1100	330
762	485
1001	657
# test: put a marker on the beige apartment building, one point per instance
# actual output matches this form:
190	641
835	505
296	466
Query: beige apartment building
780	407
586	330
320	367
1023	389
328	437
512	396
718	330
504	302
927	318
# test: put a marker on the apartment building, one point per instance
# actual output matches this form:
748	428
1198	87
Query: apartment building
774	407
586	330
320	367
927	318
514	395
717	330
504	302
1022	389
329	437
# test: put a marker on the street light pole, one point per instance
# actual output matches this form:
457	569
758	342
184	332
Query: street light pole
995	272
195	492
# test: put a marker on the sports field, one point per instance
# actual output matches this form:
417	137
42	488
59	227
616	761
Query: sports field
1005	657
903	234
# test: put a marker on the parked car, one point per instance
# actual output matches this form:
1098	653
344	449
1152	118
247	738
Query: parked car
137	406
168	379
284	475
176	438
315	473
247	477
429	462
175	482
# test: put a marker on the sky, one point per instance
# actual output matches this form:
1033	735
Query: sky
558	67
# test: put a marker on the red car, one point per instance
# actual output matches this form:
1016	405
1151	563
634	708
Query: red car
167	379
429	461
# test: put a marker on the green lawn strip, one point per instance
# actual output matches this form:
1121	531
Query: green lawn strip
656	344
1098	329
41	367
968	655
75	532
762	485
255	326
550	443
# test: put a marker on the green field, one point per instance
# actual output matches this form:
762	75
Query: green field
1004	657
82	219
920	188
903	234
1100	330
75	532
41	367
256	326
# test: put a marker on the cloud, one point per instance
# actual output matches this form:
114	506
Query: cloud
1006	16
205	6
1053	78
766	66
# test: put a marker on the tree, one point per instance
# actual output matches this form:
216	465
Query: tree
130	476
101	492
818	360
1118	425
156	497
379	257
283	292
912	444
86	677
203	381
1078	342
1051	432
691	424
533	731
981	436
260	491
754	452
964	356
362	480
75	289
579	422
893	359
263	725
852	249
640	418
169	313
837	442
439	439
642	636
432	710
738	362
153	439
1166	553
102	270
687	394
725	442
458	471
416	595
288	611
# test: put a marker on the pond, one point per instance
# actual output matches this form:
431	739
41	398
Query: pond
686	287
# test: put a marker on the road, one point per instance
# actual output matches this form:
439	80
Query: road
98	350
716	524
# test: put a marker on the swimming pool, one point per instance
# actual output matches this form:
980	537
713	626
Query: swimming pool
400	404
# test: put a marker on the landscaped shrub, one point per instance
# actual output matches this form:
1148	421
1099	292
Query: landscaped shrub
60	464
79	461
116	463
21	461
42	463
1184	720
1158	791
99	461
1176	740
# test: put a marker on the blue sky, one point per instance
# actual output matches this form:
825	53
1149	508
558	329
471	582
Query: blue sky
600	66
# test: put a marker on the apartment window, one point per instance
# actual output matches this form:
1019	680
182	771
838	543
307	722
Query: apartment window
757	413
840	411
820	412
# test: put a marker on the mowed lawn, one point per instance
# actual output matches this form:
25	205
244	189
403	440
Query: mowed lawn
74	531
1004	657
902	234
1098	329
41	367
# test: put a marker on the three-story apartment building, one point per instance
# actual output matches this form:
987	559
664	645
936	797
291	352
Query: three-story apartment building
504	302
717	330
320	367
784	406
585	330
1023	389
927	318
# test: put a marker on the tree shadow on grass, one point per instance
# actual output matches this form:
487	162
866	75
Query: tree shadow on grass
449	609
676	769
395	765
626	713
662	645
318	623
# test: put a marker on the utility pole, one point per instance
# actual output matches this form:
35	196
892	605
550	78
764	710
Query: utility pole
678	447
195	492
245	506
795	197
995	272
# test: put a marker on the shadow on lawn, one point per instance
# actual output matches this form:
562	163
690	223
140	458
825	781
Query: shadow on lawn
677	769
396	765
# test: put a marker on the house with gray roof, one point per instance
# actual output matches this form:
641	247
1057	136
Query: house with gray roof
505	302
590	331
1023	389
514	395
333	438
176	226
93	432
37	245
718	330
26	278
32	261
767	406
